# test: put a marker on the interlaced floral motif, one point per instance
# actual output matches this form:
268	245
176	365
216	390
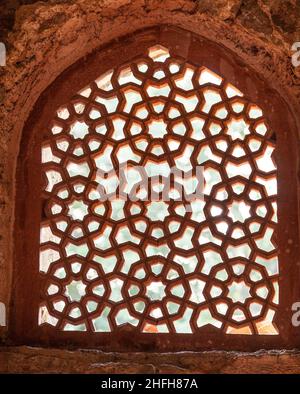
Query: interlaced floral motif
160	266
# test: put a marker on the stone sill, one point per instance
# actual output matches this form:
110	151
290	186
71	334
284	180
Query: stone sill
24	359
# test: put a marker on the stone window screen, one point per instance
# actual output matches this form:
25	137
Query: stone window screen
202	256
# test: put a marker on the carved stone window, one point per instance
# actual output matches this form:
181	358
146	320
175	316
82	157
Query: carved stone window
168	272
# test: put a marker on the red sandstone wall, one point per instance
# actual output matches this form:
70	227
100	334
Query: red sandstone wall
44	38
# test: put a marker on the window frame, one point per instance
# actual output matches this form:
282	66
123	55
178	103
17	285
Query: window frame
26	289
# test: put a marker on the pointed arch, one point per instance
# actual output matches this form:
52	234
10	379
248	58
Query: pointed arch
170	99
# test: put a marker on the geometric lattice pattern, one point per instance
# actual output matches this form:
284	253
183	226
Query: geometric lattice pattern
160	266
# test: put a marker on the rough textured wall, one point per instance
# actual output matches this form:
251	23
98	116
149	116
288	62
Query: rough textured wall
44	38
37	360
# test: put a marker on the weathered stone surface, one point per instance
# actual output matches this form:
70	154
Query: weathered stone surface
285	15
223	9
252	16
37	360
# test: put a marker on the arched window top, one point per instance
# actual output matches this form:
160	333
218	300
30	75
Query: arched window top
158	212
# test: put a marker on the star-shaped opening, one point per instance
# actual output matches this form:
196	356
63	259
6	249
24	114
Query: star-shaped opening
78	210
155	291
239	291
237	129
157	211
239	211
157	128
75	290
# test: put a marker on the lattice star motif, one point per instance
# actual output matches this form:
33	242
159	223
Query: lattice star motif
157	128
239	291
237	129
79	130
156	291
169	265
157	210
239	211
78	210
75	290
